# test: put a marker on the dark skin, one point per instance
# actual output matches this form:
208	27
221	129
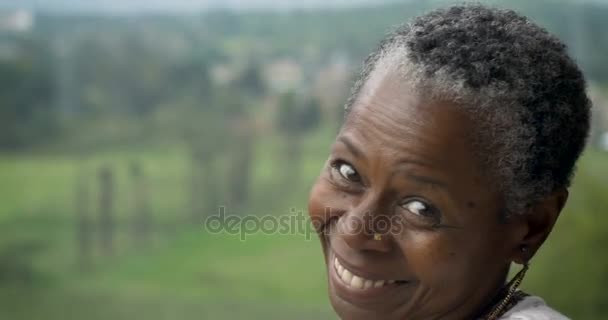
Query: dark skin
402	156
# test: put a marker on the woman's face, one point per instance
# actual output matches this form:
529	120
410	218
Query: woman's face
404	167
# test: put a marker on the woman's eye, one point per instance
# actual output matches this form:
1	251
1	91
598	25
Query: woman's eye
419	208
347	172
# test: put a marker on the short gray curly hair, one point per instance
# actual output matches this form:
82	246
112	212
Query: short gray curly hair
527	94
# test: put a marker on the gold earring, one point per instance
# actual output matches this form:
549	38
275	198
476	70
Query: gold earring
512	287
377	236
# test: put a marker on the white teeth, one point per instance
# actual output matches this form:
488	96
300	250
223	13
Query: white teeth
338	266
347	276
357	282
378	283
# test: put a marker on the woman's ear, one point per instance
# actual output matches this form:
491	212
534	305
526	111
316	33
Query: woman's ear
536	225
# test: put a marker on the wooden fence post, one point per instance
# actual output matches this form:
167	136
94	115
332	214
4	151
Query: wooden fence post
106	204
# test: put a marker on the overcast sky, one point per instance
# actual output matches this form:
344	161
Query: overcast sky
118	6
177	5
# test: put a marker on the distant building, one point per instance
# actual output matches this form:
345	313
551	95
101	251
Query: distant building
603	141
223	74
332	83
283	75
16	21
599	124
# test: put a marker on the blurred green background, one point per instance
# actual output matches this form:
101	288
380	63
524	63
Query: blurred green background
122	127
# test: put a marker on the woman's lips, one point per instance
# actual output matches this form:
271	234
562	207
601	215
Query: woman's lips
352	286
357	282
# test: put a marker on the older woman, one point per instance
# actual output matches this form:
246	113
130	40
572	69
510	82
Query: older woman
453	162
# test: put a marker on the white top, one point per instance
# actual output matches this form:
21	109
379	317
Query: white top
532	308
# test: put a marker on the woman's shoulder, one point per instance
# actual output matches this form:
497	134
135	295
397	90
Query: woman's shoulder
532	308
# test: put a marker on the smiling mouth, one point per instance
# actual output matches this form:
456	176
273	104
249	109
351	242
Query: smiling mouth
358	282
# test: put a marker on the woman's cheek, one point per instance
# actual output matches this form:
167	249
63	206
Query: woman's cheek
430	254
325	203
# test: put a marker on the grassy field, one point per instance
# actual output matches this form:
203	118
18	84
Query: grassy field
185	273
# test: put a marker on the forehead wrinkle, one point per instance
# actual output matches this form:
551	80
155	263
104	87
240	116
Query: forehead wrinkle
394	117
392	101
394	137
396	114
397	156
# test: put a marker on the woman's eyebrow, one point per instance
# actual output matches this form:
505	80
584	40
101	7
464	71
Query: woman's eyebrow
351	147
420	179
427	180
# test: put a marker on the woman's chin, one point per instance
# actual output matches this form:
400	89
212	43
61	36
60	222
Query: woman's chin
364	298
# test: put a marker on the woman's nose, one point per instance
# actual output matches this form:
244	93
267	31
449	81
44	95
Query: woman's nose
365	230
